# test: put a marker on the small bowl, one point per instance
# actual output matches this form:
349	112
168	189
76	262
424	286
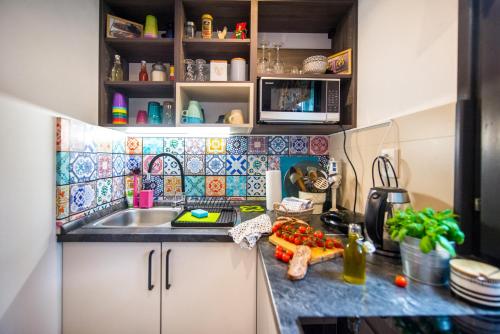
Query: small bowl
315	65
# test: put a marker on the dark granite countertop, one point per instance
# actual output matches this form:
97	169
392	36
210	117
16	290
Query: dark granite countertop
83	233
324	294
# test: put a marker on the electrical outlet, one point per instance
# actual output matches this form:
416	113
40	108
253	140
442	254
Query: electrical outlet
393	156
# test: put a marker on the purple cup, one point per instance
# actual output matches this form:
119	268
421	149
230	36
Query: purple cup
119	100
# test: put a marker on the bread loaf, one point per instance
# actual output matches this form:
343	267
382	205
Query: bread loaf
298	265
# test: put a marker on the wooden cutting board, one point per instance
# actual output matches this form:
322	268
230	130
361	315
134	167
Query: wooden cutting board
318	254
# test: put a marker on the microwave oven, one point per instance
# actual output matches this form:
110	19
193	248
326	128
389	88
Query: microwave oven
299	100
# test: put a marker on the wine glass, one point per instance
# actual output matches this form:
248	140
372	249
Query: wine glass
279	66
263	61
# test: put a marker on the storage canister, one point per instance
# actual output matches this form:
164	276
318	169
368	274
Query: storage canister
206	26
238	69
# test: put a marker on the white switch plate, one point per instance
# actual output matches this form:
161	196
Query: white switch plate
393	156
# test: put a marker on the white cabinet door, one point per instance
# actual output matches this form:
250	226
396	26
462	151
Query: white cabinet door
211	288
266	320
106	288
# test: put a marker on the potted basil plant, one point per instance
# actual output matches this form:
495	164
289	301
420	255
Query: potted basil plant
427	241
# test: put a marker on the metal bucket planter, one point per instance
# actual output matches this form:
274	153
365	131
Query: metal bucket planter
432	268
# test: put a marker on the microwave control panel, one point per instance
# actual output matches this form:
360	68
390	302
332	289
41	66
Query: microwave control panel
333	96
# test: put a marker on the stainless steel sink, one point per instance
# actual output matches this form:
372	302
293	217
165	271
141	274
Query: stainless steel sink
154	217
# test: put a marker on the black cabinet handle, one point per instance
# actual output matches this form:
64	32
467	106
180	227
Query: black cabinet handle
150	286
167	257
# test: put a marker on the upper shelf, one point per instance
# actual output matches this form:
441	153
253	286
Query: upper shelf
216	48
136	11
136	49
302	16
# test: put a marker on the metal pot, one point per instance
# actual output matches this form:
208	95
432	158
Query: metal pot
432	268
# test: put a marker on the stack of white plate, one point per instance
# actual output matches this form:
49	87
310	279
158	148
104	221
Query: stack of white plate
475	281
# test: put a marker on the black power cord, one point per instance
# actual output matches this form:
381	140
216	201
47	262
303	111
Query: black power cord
354	170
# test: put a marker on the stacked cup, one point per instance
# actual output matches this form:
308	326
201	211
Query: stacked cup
119	111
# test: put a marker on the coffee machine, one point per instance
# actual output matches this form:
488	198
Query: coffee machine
381	204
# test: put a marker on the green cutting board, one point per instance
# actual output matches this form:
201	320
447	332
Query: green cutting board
189	218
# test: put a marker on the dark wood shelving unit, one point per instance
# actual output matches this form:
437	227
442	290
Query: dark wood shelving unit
142	88
337	18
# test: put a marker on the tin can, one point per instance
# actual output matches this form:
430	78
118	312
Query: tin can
206	26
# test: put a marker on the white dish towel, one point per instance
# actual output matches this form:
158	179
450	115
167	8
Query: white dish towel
249	232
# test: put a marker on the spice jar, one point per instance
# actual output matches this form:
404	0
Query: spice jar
206	26
189	30
159	72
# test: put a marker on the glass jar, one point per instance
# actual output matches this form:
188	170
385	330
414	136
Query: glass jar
168	113
117	70
189	73
200	70
159	72
189	30
355	257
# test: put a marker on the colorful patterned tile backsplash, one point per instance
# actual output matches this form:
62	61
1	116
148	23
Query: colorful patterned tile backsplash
92	165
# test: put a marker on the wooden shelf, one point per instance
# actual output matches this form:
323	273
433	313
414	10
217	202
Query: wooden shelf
136	11
302	16
144	89
133	50
209	49
313	76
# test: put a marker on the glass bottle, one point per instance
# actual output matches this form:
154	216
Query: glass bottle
354	257
117	71
143	74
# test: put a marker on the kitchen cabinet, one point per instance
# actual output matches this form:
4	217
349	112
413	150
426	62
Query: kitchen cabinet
106	288
266	320
195	287
208	288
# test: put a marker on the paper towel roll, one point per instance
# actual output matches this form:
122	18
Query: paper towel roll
273	188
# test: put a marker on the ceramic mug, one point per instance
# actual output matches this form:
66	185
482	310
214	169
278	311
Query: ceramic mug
234	116
194	110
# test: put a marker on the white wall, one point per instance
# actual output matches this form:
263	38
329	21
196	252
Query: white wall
407	57
50	54
30	280
48	63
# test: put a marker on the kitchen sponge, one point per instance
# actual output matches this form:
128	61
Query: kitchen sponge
199	213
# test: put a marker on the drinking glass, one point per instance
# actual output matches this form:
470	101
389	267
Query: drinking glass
200	70
263	61
189	75
279	66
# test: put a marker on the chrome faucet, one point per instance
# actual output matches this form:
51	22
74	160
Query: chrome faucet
181	169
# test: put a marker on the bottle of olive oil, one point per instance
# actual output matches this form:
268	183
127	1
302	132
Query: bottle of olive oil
354	257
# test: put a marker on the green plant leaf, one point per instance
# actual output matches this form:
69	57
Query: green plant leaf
426	244
459	237
447	245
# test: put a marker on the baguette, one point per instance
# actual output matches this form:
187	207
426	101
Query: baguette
298	265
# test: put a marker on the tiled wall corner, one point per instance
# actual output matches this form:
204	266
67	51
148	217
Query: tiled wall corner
90	165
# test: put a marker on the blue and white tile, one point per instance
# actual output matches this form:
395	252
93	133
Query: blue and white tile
119	143
323	161
194	145
237	145
83	167
118	188
278	145
104	191
195	164
174	145
171	167
152	145
256	186
82	197
195	186
257	164
118	164
236	186
215	164
155	183
62	168
299	144
236	164
132	163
